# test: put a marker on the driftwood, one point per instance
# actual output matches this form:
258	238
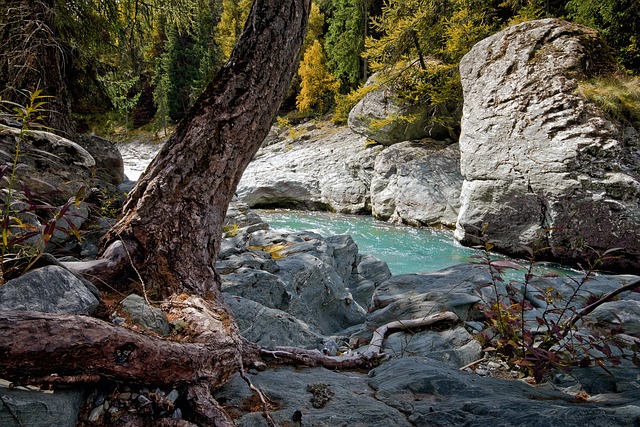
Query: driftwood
85	349
36	348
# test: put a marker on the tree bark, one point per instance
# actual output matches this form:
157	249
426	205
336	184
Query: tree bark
171	230
49	348
176	210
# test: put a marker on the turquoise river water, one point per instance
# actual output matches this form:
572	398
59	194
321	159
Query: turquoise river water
405	249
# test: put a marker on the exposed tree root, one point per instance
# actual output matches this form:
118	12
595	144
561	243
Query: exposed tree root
114	265
367	359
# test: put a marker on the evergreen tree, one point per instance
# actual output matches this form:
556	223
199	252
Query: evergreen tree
234	14
315	29
619	23
344	42
419	47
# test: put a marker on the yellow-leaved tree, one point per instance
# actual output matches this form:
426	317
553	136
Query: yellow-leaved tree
234	15
315	27
318	85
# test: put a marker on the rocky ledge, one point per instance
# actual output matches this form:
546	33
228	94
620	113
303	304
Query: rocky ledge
322	167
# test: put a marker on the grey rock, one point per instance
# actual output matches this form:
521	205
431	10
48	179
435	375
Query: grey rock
143	314
417	184
109	163
252	259
173	396
414	183
535	155
380	106
412	296
351	404
125	187
368	274
266	238
96	413
431	394
344	252
240	215
576	292
453	346
424	392
616	314
257	285
52	162
372	268
39	409
231	245
50	289
318	294
271	327
326	171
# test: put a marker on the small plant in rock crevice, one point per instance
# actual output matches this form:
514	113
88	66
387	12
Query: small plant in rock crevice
556	336
27	222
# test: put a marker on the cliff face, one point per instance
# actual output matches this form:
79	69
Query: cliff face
542	166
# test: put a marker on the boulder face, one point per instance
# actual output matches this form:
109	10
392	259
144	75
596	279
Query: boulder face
538	157
328	168
379	115
314	170
109	163
417	184
53	165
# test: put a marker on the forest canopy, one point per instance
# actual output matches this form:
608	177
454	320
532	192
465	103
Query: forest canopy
145	63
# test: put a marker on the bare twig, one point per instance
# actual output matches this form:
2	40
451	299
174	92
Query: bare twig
475	362
265	406
605	298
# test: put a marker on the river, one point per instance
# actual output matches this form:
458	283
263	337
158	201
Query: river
405	249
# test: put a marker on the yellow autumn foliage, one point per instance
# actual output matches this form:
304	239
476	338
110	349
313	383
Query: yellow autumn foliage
317	85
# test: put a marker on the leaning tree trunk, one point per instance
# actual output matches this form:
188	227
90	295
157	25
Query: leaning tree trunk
175	212
171	230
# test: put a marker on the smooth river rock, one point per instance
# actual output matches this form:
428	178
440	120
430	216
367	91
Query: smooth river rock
328	168
49	289
537	156
416	392
54	166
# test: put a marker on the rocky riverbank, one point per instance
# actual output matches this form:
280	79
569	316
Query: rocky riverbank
538	165
303	289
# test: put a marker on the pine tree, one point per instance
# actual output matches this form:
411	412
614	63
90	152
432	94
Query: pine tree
315	29
419	47
345	42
